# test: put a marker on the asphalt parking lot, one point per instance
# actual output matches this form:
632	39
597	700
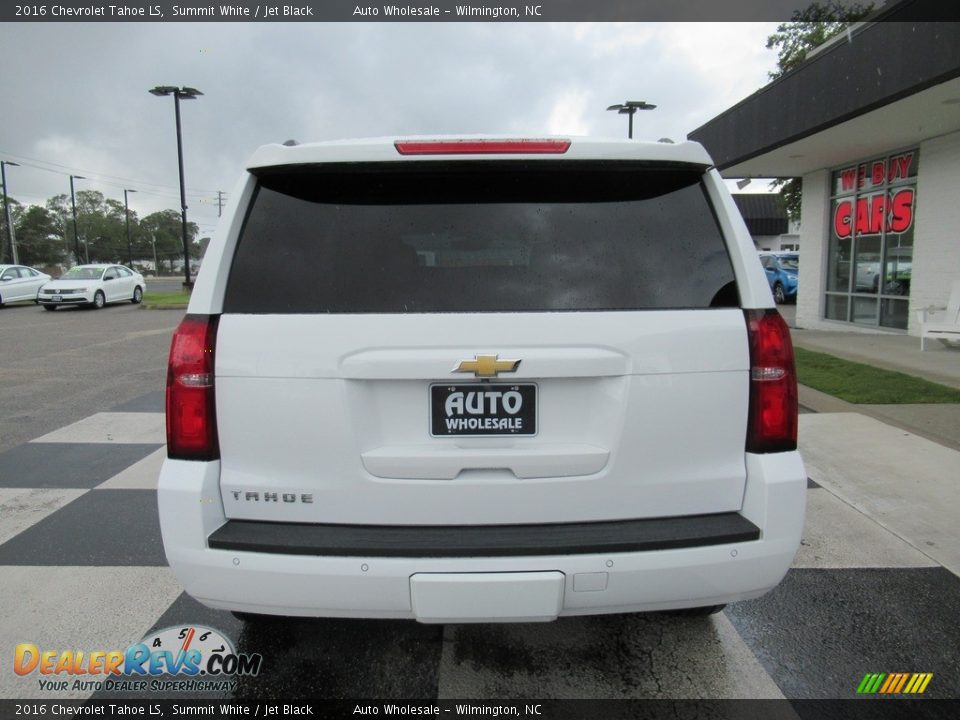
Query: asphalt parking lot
58	367
82	565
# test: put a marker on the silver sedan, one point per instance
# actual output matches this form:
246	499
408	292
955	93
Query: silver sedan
94	286
19	282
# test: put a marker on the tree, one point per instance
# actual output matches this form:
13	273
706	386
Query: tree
807	29
38	237
101	226
164	227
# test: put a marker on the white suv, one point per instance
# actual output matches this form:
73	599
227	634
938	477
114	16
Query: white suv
480	380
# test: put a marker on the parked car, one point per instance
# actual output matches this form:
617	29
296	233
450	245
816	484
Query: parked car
783	270
93	286
896	282
481	380
19	282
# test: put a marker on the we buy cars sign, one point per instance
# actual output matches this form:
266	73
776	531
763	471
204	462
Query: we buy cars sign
891	211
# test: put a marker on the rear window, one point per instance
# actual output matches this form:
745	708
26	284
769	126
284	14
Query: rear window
479	237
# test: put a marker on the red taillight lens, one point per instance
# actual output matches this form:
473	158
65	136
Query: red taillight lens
479	147
191	409
772	425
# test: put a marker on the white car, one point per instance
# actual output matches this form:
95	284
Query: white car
19	282
481	380
93	286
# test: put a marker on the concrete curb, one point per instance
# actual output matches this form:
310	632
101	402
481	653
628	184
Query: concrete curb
822	403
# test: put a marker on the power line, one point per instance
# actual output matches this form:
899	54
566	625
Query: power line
89	173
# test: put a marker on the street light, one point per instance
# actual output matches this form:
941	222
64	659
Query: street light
126	210
630	108
73	204
186	93
6	209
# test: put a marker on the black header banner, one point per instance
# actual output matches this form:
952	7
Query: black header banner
434	11
534	709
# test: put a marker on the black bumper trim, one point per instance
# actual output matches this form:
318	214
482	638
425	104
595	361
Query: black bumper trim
483	540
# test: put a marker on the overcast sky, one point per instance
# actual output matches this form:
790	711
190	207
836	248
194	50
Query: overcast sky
74	96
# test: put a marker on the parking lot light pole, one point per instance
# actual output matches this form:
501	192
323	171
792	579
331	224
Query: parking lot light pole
630	108
73	204
6	209
126	211
186	93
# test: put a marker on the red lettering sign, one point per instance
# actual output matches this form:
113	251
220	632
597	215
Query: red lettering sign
874	214
902	216
848	178
841	219
900	167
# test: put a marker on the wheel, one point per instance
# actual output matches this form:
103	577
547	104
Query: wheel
137	295
778	294
695	611
51	308
99	300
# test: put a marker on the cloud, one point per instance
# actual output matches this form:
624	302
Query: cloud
79	97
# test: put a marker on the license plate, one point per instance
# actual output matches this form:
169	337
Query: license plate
57	298
483	409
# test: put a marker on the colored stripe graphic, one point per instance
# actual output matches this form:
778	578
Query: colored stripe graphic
870	683
894	683
891	681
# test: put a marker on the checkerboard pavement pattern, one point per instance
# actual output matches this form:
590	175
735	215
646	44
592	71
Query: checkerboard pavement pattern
82	567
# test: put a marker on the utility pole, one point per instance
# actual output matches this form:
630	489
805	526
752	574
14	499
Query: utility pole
219	202
185	93
73	204
126	208
6	210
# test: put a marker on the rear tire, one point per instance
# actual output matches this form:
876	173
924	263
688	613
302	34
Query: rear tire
51	308
695	611
99	300
137	295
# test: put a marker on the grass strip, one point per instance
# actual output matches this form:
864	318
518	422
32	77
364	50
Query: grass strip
865	384
166	299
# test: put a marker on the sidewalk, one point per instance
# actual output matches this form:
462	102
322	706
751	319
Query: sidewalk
879	459
939	364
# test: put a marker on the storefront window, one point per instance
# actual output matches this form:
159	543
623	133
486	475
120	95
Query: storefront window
871	241
837	306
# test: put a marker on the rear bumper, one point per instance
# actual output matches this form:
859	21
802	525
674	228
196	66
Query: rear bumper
471	541
269	579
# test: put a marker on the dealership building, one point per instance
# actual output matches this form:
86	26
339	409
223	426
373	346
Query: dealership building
871	123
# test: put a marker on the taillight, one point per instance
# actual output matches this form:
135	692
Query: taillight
191	409
772	424
480	147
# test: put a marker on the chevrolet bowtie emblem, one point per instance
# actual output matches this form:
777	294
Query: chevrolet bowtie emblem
486	366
